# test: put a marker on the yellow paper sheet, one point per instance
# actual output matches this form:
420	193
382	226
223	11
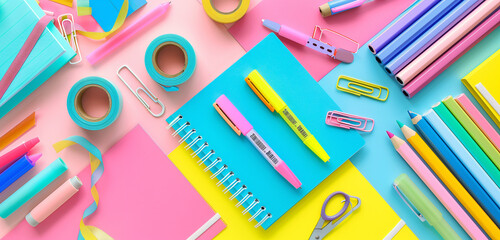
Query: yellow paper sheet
373	220
487	73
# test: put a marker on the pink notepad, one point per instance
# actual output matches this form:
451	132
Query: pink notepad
360	24
142	196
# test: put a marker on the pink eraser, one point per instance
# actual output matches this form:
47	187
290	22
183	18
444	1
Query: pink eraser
54	201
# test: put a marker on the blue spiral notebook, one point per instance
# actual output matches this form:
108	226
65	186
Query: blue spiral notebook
304	97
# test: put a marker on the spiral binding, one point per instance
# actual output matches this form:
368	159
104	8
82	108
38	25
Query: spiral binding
220	170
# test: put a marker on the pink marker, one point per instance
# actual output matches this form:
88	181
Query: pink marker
310	42
17	152
240	125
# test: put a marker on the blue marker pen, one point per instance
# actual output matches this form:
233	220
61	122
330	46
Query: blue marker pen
337	6
18	169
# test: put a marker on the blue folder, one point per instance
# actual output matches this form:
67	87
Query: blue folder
305	98
51	52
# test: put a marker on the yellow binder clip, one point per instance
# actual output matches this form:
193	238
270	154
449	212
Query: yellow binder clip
362	88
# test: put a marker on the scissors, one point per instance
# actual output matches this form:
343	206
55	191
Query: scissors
319	231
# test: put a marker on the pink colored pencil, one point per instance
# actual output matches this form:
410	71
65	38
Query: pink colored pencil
479	120
445	60
436	187
447	41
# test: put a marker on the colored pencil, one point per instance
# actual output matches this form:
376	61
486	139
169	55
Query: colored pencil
479	120
396	28
463	155
468	142
430	36
414	31
473	130
445	60
436	187
447	41
450	181
456	167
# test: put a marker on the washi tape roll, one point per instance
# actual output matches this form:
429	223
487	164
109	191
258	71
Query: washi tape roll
77	112
226	17
170	81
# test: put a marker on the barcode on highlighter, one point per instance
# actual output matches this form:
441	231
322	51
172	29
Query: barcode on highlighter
302	131
271	156
258	142
289	116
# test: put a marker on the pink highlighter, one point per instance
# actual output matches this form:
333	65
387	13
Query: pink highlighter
240	125
54	201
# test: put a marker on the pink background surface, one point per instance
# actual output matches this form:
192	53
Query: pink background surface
360	24
215	48
156	199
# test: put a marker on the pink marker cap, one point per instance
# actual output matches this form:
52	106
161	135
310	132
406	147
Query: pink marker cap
233	114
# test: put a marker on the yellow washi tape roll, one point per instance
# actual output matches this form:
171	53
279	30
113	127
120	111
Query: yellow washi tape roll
226	17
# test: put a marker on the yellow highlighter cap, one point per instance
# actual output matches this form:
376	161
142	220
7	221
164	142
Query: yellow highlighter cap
264	91
314	145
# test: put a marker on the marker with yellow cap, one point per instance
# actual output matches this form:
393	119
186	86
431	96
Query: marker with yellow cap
266	93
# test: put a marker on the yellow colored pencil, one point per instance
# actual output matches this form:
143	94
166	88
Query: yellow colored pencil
451	182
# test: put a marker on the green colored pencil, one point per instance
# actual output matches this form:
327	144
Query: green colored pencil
473	130
468	142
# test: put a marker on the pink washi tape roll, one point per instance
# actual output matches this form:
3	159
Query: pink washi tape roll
54	201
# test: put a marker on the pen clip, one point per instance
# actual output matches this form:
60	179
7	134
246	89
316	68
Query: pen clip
259	94
226	118
409	204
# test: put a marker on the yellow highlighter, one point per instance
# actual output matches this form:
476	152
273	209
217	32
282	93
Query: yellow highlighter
266	93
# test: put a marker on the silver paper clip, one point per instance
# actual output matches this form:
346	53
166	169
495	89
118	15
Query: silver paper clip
143	89
63	20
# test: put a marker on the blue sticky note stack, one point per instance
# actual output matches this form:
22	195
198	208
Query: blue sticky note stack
51	52
105	12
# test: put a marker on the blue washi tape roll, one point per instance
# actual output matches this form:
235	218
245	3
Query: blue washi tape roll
170	81
78	114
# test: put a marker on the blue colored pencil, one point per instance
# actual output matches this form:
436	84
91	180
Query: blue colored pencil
456	167
430	36
414	31
463	155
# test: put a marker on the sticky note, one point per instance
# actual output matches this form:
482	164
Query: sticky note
105	12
